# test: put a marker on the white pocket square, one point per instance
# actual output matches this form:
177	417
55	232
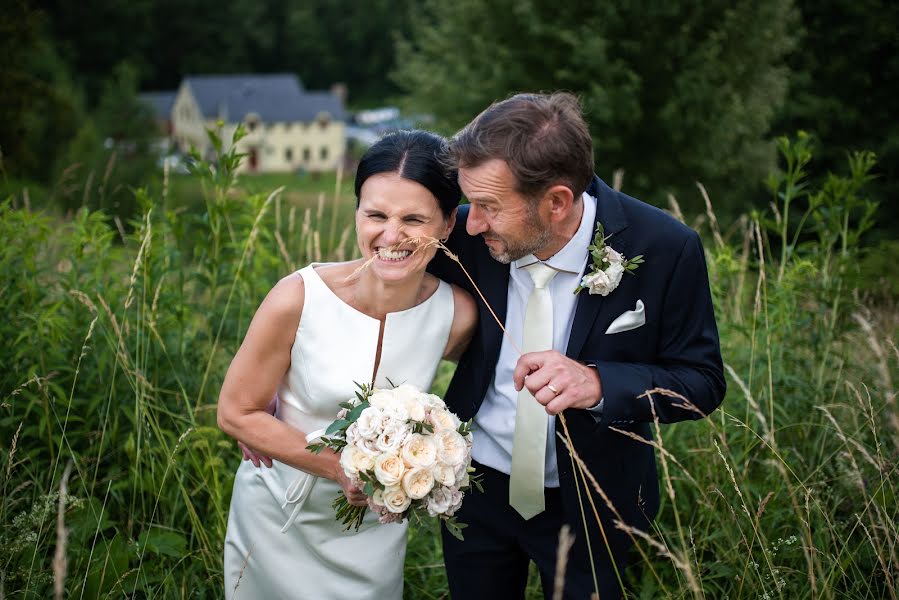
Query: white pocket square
628	320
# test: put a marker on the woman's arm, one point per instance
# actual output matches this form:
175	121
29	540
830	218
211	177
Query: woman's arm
465	319
253	378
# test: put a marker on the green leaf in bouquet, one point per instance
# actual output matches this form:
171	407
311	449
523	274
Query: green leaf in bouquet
346	405
455	528
338	425
369	489
353	415
316	448
421	426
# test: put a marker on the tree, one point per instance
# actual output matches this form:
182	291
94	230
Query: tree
673	92
844	91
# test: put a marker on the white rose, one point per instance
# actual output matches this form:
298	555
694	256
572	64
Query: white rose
381	398
597	283
407	393
419	450
354	461
444	474
612	256
457	502
416	410
433	401
615	271
418	483
443	419
367	445
451	447
395	499
439	501
368	425
389	469
390	441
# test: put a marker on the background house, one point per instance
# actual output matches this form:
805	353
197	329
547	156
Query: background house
288	128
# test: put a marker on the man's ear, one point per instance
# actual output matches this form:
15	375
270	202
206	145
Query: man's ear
561	199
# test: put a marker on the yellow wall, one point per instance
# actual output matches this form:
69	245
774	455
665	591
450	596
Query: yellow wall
312	146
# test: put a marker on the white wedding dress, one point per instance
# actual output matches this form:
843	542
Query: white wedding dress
283	541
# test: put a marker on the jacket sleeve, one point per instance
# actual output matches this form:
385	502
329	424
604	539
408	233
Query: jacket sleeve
688	361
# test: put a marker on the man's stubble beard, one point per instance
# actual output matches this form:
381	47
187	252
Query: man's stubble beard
534	238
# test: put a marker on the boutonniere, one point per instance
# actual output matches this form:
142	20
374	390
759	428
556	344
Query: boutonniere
607	268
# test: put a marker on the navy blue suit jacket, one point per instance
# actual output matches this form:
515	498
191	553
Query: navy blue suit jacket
676	349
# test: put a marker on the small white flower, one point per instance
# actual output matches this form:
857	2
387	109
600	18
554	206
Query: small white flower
368	425
390	441
439	501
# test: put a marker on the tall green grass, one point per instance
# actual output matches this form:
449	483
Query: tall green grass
117	343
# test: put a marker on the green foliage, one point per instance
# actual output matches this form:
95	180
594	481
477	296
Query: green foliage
116	349
673	93
842	91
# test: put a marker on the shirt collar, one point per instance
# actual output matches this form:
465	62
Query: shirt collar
571	257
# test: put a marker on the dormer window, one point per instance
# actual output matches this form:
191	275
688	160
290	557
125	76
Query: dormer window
252	120
323	119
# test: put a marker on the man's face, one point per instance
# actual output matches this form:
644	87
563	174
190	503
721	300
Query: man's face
512	227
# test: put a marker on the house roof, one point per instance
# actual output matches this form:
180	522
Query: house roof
274	98
160	102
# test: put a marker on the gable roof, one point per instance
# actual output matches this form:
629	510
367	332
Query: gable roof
160	102
274	98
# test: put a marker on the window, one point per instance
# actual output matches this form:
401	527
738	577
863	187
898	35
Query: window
287	126
323	153
307	154
288	154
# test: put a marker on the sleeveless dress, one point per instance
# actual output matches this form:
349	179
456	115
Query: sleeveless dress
283	541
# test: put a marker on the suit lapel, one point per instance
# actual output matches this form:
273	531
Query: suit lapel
611	215
494	284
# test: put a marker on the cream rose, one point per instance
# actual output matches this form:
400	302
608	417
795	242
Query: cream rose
444	474
389	469
443	419
354	461
451	447
419	451
417	483
395	499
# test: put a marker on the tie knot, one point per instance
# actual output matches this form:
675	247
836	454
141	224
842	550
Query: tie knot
541	274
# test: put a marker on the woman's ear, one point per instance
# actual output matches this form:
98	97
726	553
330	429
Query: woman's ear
450	224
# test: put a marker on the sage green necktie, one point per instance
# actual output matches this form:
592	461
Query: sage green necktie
529	441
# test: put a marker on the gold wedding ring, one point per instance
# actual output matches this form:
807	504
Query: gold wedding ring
552	389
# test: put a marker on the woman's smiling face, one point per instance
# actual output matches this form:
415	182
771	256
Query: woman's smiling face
393	210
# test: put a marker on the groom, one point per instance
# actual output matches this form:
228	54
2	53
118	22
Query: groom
526	167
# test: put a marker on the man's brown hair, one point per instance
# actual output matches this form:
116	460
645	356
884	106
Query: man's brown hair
542	138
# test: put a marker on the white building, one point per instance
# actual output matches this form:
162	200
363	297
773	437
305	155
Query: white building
288	128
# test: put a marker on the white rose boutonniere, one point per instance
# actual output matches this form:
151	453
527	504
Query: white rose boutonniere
608	266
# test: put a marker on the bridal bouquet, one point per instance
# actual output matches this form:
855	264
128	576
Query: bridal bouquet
407	452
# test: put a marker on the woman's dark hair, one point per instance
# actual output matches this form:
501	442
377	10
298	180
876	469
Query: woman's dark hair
419	156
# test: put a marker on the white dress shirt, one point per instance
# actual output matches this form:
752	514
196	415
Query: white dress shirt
494	424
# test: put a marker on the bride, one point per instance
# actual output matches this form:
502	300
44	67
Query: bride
318	332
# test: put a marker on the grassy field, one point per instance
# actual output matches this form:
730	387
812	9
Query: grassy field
116	481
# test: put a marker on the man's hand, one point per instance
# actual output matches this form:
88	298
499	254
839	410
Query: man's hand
557	382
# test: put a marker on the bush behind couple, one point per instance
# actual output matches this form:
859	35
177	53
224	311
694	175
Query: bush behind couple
525	165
